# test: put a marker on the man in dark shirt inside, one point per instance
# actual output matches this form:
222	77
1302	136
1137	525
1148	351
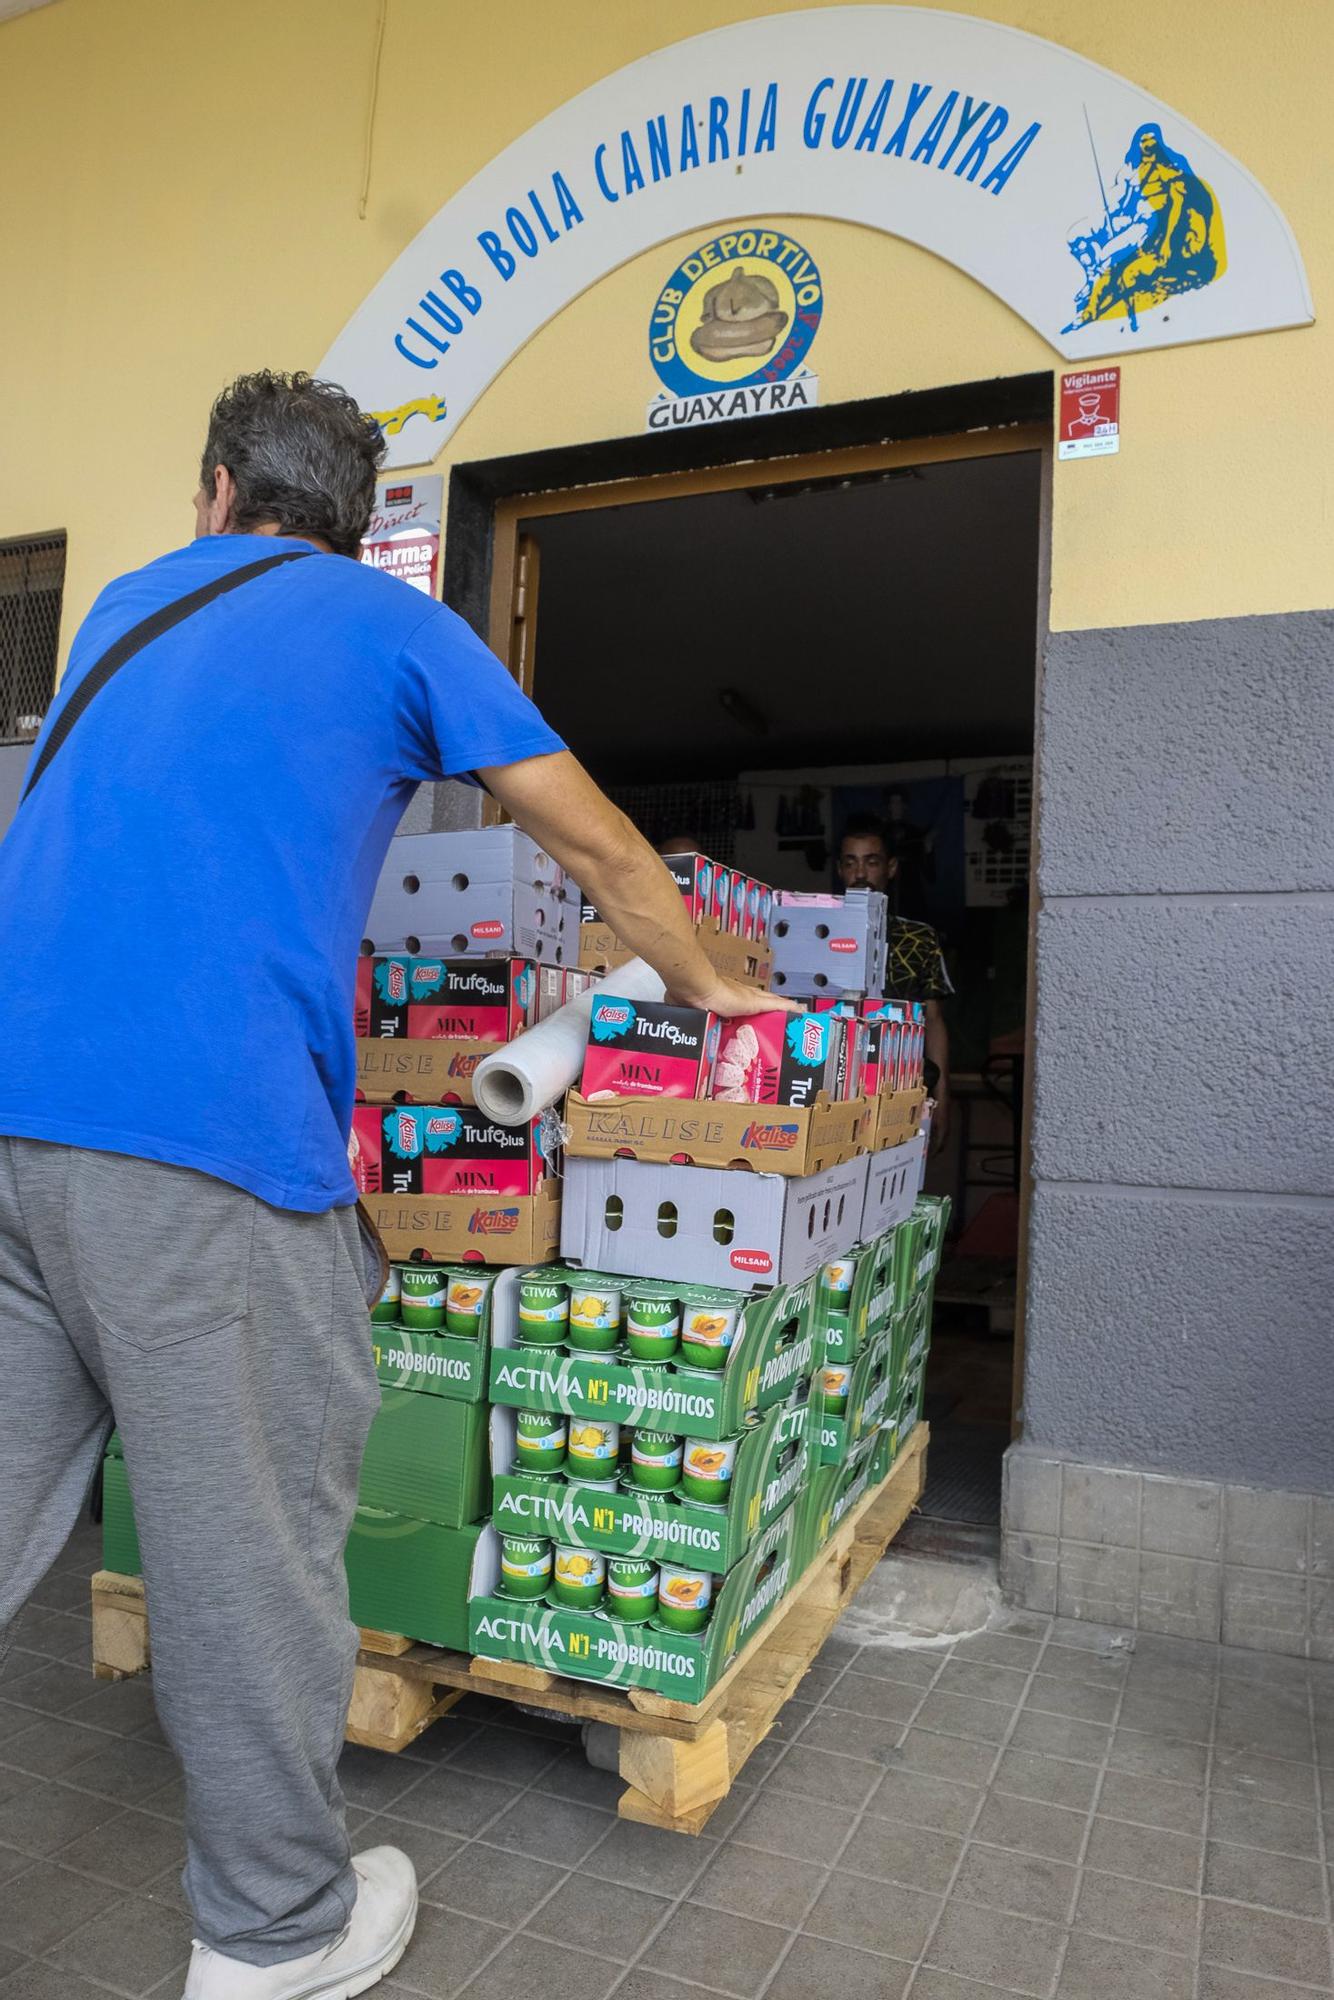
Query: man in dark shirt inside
915	966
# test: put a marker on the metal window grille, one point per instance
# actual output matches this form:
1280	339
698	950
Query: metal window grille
32	581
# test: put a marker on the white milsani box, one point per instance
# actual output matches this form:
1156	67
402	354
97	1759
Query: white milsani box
836	945
892	1181
491	891
709	1225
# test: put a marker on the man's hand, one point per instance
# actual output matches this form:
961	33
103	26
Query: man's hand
730	998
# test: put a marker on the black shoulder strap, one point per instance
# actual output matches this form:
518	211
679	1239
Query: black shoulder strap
142	635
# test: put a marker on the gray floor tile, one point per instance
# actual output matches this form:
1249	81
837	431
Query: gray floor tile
932	1984
445	1952
1277	1881
12	1863
987	1680
47	1982
882	1700
643	1985
507	1755
132	1945
10	1961
426	1848
129	1850
1108	1640
1031	1827
816	1682
817	1774
1172	1860
65	1590
900	1663
1055	1780
454	1801
771	1887
168	1802
1283	1782
790	1720
1218	1984
52	1748
13	1784
964	1715
817	1969
1247	1940
602	1916
1267	1735
1024	1884
1115	1907
50	1687
1023	1624
730	1809
921	1800
647	1857
55	1634
120	1706
908	1855
14	1721
488	1882
849	1910
125	1771
1169	1679
838	1652
530	1968
1096	1968
551	1829
999	1649
1017	1953
1254	1822
573	1777
1062	1736
732	1953
46	1903
1153	1756
953	1757
1148	1801
1192	1721
445	1735
374	1781
1076	1663
834	1729
1078	1699
801	1828
765	1755
48	1816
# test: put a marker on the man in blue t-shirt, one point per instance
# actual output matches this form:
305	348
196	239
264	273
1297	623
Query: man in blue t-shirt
182	895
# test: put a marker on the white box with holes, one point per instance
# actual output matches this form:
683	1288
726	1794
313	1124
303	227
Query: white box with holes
492	891
708	1225
893	1180
830	947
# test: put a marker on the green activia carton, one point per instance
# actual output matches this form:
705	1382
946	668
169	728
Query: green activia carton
444	1364
868	1394
412	1577
774	1348
120	1540
595	1646
770	1471
429	1457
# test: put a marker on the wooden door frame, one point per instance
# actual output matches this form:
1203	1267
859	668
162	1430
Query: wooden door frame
530	492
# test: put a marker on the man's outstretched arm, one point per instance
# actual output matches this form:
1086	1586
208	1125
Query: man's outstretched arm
556	802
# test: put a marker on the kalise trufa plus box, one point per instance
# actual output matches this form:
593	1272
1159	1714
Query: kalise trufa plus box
641	1048
776	1058
443	999
443	1149
693	875
736	914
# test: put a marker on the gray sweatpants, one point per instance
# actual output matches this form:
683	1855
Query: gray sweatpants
230	1343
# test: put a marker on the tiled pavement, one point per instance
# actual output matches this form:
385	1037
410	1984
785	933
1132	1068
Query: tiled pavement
1038	1810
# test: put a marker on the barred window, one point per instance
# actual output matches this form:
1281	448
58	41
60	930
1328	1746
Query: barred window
32	580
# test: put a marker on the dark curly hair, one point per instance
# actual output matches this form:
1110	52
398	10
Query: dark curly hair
301	453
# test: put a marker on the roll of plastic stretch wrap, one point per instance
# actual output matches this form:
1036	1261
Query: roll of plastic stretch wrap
529	1074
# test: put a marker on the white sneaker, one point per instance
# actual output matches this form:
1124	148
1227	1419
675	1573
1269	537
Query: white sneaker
383	1918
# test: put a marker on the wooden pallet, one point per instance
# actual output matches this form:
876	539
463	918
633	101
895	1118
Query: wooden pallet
678	1759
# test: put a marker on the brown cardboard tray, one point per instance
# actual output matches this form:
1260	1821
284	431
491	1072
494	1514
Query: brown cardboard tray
896	1117
393	1070
459	1228
600	950
690	1131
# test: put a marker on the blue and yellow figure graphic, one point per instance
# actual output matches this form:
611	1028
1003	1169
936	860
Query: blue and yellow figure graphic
1163	235
392	421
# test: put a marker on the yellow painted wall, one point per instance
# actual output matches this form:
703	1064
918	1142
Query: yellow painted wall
181	203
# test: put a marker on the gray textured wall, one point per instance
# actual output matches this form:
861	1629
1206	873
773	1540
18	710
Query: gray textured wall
1181	1284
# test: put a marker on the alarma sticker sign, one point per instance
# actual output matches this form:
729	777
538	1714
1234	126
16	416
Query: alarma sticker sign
731	328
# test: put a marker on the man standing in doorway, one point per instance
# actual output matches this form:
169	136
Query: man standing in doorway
182	896
915	963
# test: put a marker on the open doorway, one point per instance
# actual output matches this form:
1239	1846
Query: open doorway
751	655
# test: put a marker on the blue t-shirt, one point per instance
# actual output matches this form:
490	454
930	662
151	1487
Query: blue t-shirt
183	896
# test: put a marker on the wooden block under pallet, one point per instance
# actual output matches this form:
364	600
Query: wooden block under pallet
120	1626
388	1712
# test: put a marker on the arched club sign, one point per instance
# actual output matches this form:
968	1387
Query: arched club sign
1101	217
